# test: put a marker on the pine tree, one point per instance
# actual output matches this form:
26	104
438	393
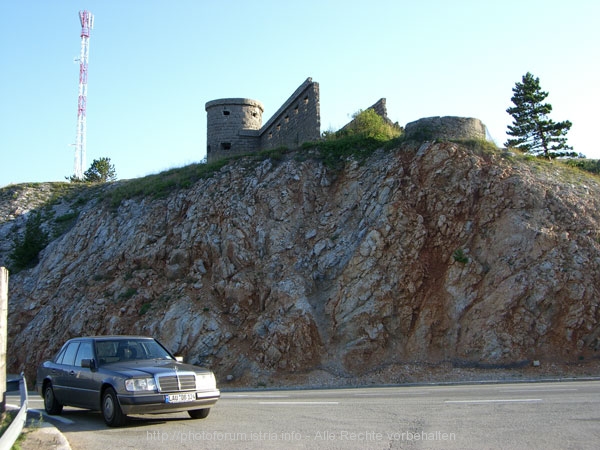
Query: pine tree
100	171
26	249
534	132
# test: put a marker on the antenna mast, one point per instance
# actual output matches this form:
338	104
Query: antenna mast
87	23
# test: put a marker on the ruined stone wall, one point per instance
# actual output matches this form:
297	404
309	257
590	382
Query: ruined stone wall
445	128
297	121
380	109
234	124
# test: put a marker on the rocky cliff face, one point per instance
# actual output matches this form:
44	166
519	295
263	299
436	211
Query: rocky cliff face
423	254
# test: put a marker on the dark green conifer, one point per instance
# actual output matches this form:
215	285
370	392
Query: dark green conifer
534	132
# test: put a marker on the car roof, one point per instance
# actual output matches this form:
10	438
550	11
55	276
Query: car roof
118	337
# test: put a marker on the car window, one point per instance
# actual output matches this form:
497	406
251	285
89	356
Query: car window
153	350
106	351
68	357
61	354
85	352
112	351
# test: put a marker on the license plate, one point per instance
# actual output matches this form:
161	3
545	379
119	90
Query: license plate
180	398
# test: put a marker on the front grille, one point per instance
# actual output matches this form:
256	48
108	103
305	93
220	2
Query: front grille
177	382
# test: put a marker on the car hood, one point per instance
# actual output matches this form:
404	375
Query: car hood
138	368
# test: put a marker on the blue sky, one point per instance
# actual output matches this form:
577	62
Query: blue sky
155	63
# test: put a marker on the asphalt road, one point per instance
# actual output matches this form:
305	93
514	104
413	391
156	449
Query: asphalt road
482	416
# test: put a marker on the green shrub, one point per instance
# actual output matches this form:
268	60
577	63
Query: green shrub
145	308
130	292
63	223
26	249
459	256
359	139
69	217
369	124
589	165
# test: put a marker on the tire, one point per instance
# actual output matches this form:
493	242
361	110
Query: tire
51	405
111	410
199	413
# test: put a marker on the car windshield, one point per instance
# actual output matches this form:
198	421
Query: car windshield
119	350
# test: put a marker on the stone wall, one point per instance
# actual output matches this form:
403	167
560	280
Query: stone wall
297	121
234	124
445	128
380	108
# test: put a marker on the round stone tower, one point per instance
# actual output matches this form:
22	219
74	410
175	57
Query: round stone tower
448	127
233	127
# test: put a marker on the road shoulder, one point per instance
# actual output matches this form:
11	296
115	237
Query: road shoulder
38	434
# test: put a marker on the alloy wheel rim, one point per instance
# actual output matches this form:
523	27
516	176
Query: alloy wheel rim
108	407
48	397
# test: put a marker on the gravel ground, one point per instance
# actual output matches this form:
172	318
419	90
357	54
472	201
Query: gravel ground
43	435
396	374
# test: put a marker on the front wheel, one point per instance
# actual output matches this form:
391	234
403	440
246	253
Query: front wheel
51	405
199	413
111	410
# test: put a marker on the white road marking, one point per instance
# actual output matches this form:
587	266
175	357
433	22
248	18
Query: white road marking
387	394
298	403
253	396
499	400
537	390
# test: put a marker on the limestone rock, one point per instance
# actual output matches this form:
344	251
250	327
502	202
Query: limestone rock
431	254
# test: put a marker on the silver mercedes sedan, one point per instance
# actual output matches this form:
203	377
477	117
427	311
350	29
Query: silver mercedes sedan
121	375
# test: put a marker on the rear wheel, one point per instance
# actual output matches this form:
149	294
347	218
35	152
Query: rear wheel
199	413
111	410
51	405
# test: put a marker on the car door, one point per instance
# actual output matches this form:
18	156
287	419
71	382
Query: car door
63	374
85	391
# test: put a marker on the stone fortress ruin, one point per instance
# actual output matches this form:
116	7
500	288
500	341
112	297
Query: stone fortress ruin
234	125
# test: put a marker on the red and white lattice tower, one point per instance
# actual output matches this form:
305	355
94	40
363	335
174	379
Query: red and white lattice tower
87	23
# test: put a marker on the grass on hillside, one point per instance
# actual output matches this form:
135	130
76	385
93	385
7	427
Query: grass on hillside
358	140
478	146
589	165
367	132
162	184
569	170
47	193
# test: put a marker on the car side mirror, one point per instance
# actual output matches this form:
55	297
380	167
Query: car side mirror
179	358
89	363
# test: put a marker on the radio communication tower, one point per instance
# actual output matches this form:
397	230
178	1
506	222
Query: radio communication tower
87	23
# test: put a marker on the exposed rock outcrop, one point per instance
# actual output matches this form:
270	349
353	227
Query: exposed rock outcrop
429	254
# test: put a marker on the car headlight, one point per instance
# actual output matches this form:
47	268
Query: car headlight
205	381
140	384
